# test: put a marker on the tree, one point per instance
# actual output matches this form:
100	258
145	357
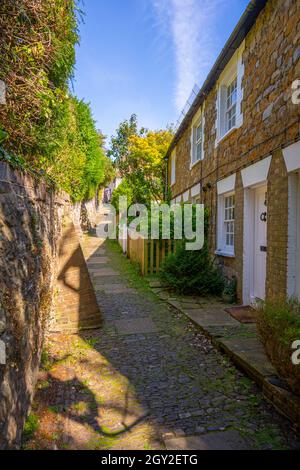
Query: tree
119	145
124	189
139	156
145	165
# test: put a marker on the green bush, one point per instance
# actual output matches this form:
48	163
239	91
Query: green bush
230	290
192	272
279	326
31	426
43	127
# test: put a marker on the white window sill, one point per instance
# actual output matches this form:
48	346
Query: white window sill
195	163
219	140
225	254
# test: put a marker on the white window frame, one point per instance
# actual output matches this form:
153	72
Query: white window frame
229	222
173	168
234	71
231	105
225	249
293	271
196	143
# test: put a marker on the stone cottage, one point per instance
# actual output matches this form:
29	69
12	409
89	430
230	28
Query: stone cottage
237	150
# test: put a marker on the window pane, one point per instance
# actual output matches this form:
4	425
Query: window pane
199	151
199	133
229	217
197	143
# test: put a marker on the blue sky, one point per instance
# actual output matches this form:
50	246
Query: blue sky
144	56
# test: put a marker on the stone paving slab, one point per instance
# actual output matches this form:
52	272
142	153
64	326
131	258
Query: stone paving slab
118	289
184	305
94	263
249	354
155	284
135	326
206	317
104	272
99	254
227	440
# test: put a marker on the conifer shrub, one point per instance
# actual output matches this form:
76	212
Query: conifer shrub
193	272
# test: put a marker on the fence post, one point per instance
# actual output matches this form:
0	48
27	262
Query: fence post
145	256
163	250
151	256
157	255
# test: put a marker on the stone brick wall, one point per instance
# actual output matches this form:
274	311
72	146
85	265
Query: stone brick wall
277	228
30	220
34	251
85	215
75	303
270	121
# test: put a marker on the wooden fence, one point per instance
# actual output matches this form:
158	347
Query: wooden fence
149	254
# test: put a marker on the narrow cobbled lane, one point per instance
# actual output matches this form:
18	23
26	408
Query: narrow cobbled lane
146	377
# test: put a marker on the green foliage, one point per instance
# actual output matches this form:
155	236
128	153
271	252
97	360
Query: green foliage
139	156
37	49
145	165
230	289
108	167
69	151
45	360
3	136
31	427
51	131
192	272
120	142
279	326
124	189
283	317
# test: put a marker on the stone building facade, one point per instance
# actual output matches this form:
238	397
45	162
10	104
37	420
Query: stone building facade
238	152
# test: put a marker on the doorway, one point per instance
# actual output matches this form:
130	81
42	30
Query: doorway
255	244
260	244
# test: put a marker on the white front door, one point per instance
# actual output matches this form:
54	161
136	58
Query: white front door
260	243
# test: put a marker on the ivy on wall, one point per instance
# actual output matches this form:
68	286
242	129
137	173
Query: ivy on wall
48	128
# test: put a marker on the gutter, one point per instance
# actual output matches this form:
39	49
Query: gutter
236	38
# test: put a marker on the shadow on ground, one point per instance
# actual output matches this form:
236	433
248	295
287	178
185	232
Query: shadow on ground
146	373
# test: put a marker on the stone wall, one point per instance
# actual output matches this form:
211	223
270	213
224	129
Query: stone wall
270	121
30	221
39	251
75	303
86	214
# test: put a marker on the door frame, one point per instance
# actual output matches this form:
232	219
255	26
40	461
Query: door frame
293	249
249	240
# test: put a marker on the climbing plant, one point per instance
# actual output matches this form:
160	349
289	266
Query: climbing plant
43	123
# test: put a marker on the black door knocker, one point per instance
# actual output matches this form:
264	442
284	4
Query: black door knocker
263	217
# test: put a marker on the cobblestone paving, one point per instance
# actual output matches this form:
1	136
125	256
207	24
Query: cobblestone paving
147	373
